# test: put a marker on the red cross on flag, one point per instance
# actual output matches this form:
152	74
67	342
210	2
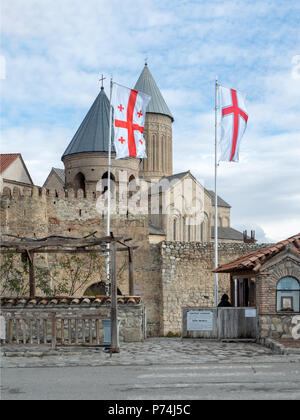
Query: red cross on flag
234	119
129	119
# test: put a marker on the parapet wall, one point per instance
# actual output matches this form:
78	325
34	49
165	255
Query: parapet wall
28	311
36	211
35	191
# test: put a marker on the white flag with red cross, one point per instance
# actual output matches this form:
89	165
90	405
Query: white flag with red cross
234	119
129	119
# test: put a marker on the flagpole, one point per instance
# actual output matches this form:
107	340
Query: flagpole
216	195
109	192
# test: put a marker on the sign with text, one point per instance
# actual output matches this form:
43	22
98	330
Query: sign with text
200	321
250	313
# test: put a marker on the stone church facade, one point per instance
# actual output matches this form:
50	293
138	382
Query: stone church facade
175	257
85	168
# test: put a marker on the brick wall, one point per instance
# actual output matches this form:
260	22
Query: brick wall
268	279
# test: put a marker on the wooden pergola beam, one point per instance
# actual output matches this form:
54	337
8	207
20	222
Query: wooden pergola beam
67	245
64	251
31	246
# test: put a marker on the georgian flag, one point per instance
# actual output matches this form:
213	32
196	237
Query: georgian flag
129	119
234	119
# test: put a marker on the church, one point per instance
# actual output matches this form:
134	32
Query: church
86	163
169	216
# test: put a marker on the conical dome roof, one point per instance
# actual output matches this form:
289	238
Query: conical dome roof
146	84
93	133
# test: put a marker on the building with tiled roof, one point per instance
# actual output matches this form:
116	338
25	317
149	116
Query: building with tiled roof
268	279
221	202
227	234
55	180
255	260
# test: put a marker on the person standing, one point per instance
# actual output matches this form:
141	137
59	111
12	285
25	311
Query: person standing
225	302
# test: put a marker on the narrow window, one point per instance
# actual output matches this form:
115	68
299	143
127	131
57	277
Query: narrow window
79	182
153	152
174	229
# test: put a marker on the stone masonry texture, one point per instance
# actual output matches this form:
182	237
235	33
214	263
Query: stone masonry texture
168	275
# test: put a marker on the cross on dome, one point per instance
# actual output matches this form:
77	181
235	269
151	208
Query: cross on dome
101	80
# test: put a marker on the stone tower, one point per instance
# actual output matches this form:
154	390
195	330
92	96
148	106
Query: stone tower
86	157
157	132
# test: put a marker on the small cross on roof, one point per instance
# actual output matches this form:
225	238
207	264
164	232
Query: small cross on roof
101	80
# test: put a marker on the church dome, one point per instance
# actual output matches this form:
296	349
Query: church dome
147	84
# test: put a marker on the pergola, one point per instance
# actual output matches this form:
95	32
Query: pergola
69	245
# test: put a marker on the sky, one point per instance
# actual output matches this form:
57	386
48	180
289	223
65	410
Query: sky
53	53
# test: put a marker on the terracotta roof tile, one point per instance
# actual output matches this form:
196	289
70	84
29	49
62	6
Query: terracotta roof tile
7	159
66	300
258	257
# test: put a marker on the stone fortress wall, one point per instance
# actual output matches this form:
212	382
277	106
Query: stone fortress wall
38	212
168	275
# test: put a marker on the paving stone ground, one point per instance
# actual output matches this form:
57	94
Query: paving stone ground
160	351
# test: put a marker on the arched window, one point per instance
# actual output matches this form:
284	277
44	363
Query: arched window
288	295
97	289
79	182
104	181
